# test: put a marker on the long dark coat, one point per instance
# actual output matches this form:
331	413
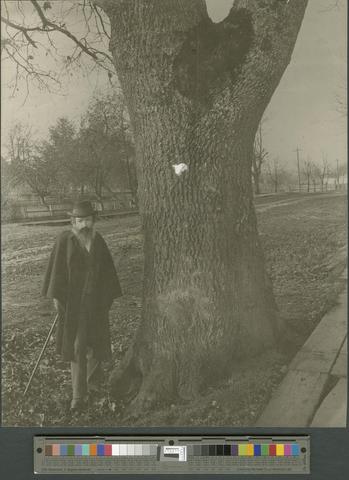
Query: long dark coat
64	280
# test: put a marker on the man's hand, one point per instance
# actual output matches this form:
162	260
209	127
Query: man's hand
58	306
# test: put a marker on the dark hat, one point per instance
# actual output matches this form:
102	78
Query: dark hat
82	209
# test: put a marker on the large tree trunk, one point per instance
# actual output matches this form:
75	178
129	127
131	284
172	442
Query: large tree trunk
206	298
256	173
196	92
256	183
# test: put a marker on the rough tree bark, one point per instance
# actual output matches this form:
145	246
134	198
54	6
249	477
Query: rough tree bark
196	92
258	158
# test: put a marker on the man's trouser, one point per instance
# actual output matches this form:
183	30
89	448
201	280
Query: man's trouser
85	369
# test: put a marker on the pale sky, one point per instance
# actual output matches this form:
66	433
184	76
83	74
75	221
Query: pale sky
301	113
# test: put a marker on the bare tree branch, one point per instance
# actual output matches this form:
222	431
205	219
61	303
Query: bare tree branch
101	20
24	30
20	39
47	23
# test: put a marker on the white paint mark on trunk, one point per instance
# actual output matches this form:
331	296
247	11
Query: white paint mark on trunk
179	168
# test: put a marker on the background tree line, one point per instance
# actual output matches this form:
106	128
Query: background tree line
95	158
269	174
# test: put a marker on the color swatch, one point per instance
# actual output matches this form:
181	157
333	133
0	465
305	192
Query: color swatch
246	450
99	449
204	450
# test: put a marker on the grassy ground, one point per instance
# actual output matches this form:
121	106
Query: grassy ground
304	240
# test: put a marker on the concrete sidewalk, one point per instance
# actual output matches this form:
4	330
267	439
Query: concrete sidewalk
314	390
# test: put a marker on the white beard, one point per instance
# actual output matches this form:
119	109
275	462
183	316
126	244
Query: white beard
84	238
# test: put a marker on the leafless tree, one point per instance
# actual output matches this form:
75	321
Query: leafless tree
259	156
8	181
28	164
108	144
342	173
314	174
323	172
308	171
274	172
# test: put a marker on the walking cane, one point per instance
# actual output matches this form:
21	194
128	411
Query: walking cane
41	353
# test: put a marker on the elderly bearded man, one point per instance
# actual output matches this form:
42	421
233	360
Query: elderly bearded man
82	281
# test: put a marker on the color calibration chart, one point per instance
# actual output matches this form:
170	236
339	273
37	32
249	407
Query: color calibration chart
177	454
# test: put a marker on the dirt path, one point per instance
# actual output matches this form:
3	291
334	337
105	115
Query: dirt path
16	232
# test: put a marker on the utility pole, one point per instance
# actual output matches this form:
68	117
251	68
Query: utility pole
337	175
298	168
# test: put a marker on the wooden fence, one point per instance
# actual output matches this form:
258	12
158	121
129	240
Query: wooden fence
35	211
